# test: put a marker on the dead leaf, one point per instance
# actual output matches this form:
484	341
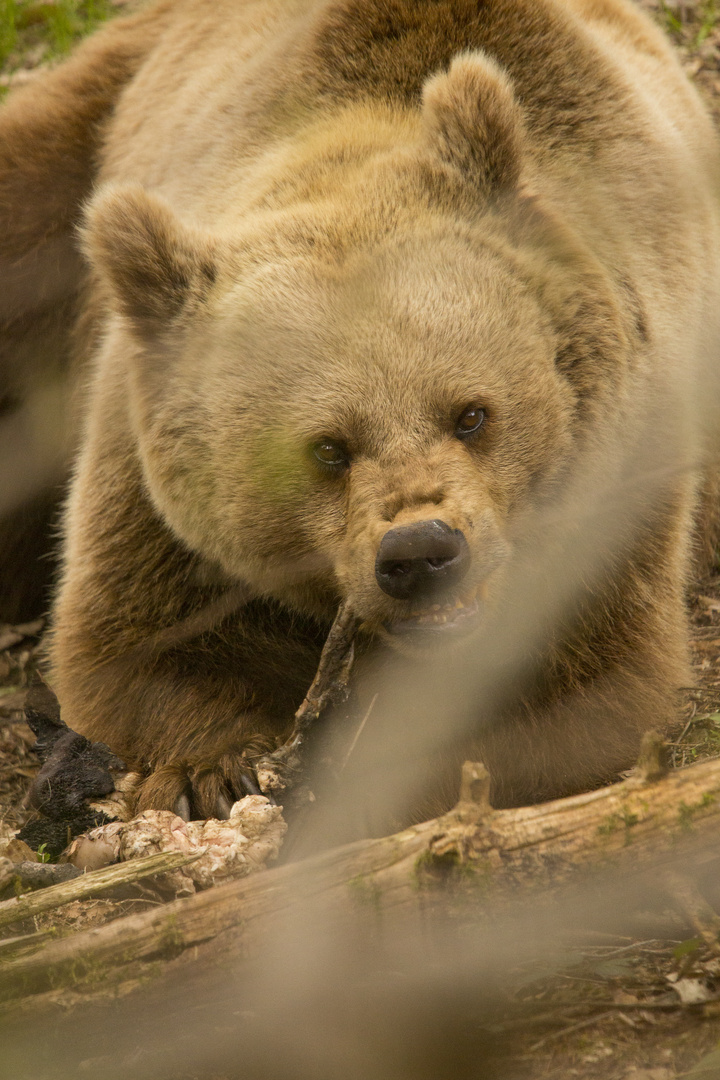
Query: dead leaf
693	991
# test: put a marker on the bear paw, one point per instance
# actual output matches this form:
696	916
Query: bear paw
198	790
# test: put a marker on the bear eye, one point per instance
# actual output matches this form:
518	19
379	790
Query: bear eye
331	454
470	421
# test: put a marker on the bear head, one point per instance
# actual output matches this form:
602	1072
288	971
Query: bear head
360	394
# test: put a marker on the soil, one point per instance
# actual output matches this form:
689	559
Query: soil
614	1011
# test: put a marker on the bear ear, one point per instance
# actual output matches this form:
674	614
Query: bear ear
474	123
155	266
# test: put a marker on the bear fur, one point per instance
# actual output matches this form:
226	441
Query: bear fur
244	235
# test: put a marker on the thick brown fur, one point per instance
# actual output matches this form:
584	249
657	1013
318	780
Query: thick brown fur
351	220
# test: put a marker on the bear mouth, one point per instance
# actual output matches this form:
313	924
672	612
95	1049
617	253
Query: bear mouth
458	615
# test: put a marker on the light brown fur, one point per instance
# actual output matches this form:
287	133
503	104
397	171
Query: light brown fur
351	220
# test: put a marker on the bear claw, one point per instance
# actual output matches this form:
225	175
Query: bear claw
223	807
250	784
182	807
186	806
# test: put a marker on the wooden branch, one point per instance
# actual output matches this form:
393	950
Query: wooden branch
88	885
331	678
282	768
626	826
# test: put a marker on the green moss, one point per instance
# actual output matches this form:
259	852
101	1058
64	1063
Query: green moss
171	941
365	891
624	819
450	869
81	971
685	948
430	867
609	825
686	814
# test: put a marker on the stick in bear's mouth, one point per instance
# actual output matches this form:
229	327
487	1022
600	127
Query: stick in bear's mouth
283	767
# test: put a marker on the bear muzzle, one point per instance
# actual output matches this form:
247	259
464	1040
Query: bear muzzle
424	563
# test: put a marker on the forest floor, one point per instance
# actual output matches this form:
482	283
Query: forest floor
655	1035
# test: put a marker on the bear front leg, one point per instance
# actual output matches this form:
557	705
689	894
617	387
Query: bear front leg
196	719
175	667
258	768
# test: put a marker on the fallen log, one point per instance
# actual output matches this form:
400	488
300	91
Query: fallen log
639	822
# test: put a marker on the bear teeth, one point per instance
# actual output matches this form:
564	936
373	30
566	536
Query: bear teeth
440	613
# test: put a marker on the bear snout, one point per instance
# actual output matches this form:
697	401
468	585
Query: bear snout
422	560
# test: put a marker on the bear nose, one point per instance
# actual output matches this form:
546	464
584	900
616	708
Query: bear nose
418	561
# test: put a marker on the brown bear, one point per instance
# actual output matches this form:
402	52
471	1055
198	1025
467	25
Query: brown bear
406	303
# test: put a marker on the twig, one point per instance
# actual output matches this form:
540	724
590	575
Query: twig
617	1009
568	1030
693	720
332	675
329	685
631	948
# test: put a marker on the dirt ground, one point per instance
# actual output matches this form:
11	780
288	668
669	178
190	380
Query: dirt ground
623	1008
